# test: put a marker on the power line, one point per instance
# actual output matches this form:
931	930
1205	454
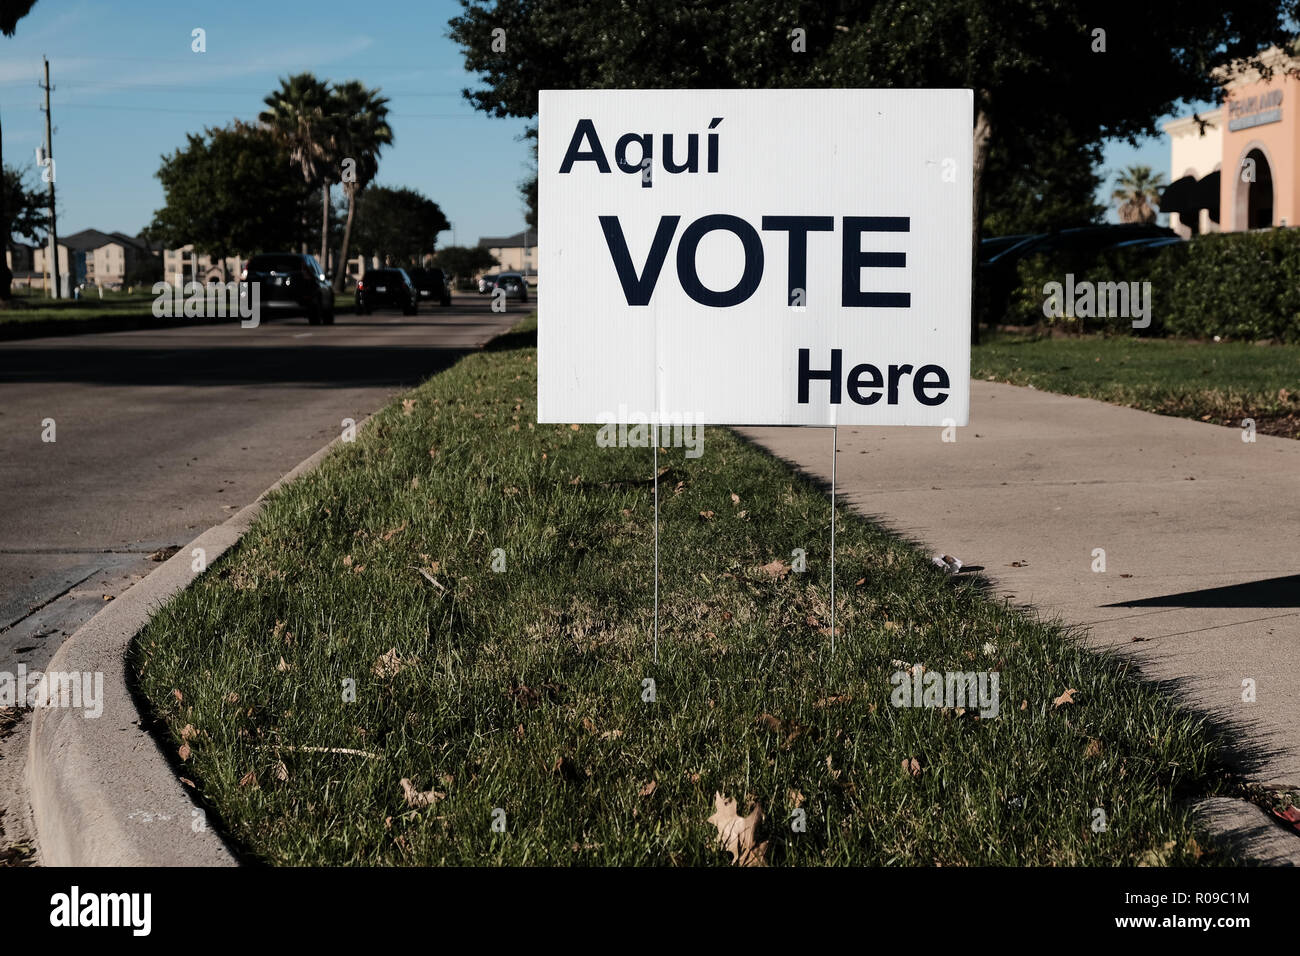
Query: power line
172	109
214	90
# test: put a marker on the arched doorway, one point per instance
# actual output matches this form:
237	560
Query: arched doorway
1254	198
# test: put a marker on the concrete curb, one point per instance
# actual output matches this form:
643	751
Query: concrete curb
102	792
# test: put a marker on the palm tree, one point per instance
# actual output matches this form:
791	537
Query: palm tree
10	13
1138	192
362	131
299	114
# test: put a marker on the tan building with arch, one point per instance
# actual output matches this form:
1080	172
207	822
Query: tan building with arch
1255	181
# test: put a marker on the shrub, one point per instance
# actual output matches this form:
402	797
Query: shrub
1243	285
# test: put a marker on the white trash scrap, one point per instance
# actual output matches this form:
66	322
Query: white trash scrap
947	562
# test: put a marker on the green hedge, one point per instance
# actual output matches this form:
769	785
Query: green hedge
1241	285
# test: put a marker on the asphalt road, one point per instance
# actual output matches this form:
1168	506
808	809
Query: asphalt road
161	434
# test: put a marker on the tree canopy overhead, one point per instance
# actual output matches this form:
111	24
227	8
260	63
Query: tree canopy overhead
1094	70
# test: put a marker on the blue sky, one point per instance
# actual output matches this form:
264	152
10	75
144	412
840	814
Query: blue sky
128	89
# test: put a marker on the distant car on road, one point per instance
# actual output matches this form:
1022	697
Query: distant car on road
485	283
291	284
431	284
387	288
513	284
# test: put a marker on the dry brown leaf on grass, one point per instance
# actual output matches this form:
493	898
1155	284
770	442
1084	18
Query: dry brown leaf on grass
788	730
736	834
418	798
184	752
1066	698
388	535
1093	749
648	789
778	569
832	701
408	405
391	664
283	665
912	766
249	779
735	498
706	515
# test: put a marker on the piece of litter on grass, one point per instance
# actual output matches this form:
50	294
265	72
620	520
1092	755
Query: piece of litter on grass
947	562
1290	816
430	578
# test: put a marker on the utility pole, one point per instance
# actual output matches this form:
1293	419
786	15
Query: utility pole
50	175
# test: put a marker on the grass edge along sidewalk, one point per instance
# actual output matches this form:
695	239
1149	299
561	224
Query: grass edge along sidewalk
435	649
1223	383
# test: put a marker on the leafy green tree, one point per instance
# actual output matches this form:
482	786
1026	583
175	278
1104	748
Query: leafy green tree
528	189
301	116
1032	64
1043	181
363	130
11	11
227	193
398	225
464	262
26	206
1137	192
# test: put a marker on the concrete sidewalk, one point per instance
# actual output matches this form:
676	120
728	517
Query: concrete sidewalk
1201	533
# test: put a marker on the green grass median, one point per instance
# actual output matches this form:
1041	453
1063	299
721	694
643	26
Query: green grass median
36	307
1220	382
435	649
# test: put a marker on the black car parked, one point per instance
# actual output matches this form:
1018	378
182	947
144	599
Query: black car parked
431	284
291	284
998	275
387	288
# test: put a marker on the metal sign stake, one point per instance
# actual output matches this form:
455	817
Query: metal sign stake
835	440
656	484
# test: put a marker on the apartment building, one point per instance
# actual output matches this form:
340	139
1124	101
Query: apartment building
517	253
91	257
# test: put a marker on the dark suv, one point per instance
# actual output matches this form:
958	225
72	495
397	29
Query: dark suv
387	288
291	284
431	284
512	284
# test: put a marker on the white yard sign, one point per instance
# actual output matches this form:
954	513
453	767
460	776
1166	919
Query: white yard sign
755	256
